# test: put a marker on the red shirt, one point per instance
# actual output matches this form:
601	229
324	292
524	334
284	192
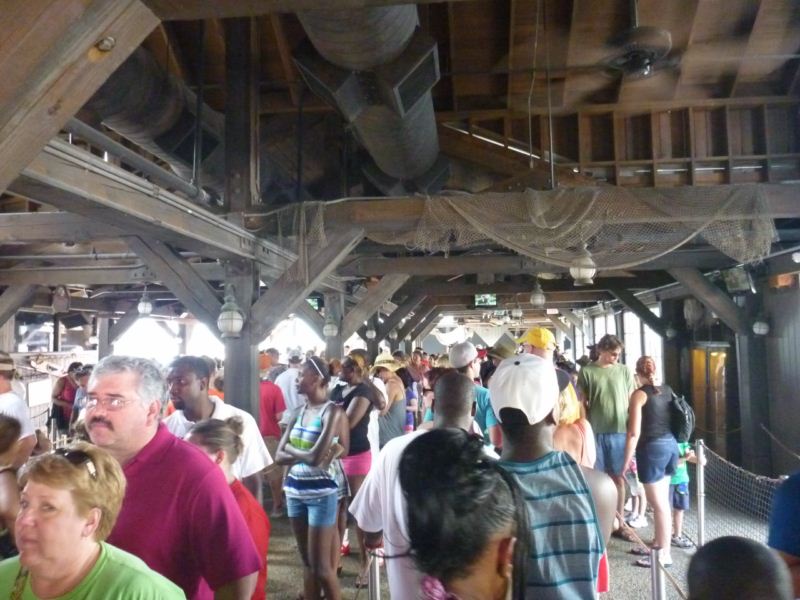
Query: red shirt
180	517
271	404
259	525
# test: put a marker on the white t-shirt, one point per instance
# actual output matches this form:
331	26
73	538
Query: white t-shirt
287	381
12	405
380	506
373	429
254	456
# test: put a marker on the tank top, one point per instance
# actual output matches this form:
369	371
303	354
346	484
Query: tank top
392	423
358	433
566	543
303	480
655	412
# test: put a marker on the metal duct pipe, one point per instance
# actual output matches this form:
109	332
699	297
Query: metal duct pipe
152	108
388	101
149	106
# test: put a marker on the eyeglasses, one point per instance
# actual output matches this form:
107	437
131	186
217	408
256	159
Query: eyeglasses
78	458
115	403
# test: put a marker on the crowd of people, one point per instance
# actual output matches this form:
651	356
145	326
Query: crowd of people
480	473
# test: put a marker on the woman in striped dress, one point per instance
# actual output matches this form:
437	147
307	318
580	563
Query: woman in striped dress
312	441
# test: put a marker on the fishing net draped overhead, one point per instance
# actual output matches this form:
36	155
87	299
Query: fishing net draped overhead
620	227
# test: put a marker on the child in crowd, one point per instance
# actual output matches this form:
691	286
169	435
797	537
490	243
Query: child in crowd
679	494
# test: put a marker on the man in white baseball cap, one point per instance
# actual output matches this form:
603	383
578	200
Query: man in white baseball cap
464	359
569	528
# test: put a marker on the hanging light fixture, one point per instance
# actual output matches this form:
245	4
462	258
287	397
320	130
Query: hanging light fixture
761	326
393	334
145	306
330	328
231	317
516	313
371	333
583	268
538	299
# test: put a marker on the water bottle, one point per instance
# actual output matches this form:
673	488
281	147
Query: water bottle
409	426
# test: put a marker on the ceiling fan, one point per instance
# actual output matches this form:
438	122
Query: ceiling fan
641	51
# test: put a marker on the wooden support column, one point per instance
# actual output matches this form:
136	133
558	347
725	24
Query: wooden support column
183	336
191	289
241	120
122	325
12	298
574	320
398	314
55	55
372	345
412	322
241	362
638	308
713	298
559	324
334	309
424	324
8	335
751	362
104	347
370	303
56	333
311	317
291	288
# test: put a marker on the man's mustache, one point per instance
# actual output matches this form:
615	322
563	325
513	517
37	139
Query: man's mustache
102	421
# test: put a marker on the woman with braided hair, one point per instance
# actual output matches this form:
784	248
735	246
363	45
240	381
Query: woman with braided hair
466	523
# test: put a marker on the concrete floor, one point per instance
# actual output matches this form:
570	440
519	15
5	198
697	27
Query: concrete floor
628	582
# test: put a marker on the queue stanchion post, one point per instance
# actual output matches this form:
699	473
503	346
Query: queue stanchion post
700	452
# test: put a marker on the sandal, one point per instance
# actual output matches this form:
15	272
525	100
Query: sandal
625	533
645	562
640	551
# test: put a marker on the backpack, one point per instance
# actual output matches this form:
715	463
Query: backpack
681	418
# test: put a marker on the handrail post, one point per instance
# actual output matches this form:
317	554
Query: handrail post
658	586
374	589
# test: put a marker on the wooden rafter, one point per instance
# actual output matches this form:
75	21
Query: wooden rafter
285	54
50	65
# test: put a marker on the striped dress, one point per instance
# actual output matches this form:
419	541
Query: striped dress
306	481
566	543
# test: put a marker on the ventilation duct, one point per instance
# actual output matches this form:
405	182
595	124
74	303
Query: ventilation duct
155	110
377	68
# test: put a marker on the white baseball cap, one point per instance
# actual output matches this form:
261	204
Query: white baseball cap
526	382
462	354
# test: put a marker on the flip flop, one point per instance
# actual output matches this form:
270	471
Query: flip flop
645	562
640	551
624	533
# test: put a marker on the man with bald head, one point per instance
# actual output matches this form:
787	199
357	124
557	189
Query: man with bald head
379	506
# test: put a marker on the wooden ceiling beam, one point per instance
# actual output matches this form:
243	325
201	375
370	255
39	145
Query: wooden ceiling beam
557	286
53	227
398	314
13	298
713	298
491	114
291	288
52	61
285	54
171	10
370	303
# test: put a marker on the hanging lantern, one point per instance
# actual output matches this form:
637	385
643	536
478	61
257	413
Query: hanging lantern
371	333
583	268
145	306
330	328
231	317
537	299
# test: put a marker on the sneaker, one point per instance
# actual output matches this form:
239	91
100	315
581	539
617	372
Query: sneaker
682	542
638	522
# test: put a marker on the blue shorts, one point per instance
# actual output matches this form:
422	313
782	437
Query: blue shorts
319	512
610	452
656	458
679	497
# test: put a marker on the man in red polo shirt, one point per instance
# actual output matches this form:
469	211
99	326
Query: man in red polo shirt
271	408
178	515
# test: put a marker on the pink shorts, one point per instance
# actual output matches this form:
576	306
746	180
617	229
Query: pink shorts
357	464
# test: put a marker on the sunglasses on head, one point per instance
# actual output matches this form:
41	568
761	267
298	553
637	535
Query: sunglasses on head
78	458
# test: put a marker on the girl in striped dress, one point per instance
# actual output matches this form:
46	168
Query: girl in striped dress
309	445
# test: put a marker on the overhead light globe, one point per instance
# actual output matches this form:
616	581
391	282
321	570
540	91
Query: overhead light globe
393	334
583	268
231	317
538	299
145	306
670	332
330	328
761	327
371	333
516	313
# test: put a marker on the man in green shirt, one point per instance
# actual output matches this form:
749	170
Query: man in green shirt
605	387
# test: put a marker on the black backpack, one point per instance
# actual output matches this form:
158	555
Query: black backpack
681	418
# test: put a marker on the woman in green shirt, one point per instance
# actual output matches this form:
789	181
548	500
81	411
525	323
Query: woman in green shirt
69	502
